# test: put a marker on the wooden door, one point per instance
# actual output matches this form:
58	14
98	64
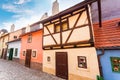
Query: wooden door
10	54
2	53
5	53
28	58
62	65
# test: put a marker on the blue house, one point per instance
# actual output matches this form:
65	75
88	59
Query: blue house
107	43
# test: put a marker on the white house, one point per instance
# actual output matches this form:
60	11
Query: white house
14	49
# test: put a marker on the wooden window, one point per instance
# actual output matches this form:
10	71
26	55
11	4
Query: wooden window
33	53
48	58
3	40
82	62
29	38
115	62
57	28
16	51
15	37
24	53
64	26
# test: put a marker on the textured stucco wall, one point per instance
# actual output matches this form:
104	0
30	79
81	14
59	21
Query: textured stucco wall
16	44
108	74
74	72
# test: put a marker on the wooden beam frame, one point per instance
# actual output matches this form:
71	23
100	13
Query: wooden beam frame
99	12
89	22
74	26
51	35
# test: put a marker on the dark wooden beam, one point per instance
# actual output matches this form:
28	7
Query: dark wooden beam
51	35
73	27
99	13
90	22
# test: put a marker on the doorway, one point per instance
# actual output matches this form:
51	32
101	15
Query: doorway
10	54
62	65
28	58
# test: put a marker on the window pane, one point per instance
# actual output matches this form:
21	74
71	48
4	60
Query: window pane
64	26
115	62
29	38
24	53
57	28
34	53
16	51
82	62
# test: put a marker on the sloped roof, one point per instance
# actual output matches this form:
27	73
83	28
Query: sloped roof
31	32
71	9
108	35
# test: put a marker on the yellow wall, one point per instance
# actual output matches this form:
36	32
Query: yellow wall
15	33
3	44
0	46
75	73
80	34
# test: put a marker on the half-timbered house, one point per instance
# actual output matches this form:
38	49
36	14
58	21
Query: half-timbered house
68	44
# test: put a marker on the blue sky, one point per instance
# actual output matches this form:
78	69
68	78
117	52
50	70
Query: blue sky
24	12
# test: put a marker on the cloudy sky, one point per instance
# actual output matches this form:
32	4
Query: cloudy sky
24	12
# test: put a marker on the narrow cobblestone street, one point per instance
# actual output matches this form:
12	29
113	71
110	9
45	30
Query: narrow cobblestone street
10	70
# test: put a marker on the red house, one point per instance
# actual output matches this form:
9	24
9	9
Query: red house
31	48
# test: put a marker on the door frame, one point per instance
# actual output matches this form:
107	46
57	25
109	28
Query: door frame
2	53
29	64
66	63
10	57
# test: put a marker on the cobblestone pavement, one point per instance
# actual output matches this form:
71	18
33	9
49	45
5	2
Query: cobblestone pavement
10	70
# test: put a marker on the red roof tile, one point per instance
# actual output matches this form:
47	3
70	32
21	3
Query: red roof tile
108	35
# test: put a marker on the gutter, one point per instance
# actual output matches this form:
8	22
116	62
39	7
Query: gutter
100	66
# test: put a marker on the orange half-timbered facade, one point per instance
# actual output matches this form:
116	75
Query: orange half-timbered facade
68	44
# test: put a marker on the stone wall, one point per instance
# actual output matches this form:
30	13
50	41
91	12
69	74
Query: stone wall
34	65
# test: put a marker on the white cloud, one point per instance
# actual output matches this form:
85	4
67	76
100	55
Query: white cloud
16	9
22	1
8	7
28	16
21	22
17	16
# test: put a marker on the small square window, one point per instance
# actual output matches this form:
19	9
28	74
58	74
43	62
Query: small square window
57	28
82	62
48	58
3	40
29	38
15	37
64	26
115	62
24	53
34	54
16	51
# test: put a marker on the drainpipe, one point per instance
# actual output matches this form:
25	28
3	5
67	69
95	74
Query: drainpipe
100	66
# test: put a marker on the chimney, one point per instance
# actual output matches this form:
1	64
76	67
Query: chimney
28	28
44	16
12	28
55	7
